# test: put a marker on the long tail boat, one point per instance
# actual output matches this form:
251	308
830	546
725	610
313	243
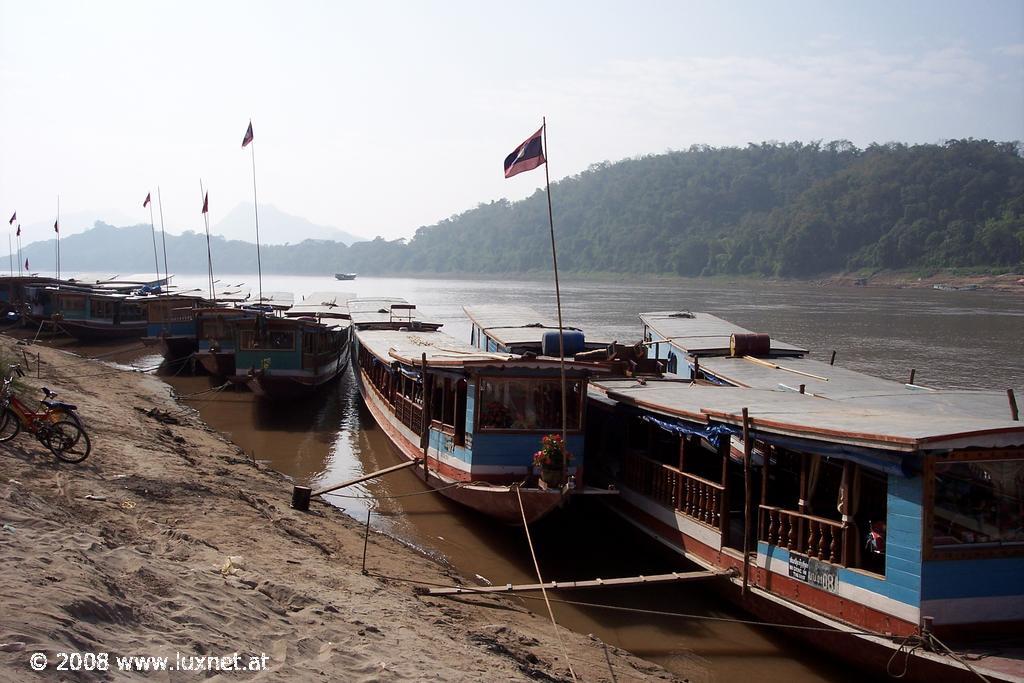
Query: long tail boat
473	419
171	322
885	517
295	355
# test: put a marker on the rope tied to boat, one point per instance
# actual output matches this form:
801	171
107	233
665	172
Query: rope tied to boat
540	579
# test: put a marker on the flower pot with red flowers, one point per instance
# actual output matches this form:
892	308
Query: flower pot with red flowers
552	459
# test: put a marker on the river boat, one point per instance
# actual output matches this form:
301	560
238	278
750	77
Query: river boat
171	322
887	517
472	419
294	355
89	313
345	276
215	327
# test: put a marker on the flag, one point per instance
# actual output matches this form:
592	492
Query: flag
526	156
248	136
14	216
26	264
56	226
206	202
146	203
18	234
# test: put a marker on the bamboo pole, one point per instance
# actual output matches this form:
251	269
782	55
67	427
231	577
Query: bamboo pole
163	234
782	367
558	303
366	477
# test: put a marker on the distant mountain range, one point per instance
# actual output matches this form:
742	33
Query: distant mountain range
775	209
276	227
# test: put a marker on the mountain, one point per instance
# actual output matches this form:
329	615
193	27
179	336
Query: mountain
70	223
774	209
276	227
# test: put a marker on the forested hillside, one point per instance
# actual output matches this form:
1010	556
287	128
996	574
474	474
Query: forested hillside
790	210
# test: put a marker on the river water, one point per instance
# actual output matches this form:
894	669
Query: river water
957	339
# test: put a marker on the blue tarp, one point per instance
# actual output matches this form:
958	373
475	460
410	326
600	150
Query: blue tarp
889	462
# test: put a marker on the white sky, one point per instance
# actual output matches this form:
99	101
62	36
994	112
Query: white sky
382	117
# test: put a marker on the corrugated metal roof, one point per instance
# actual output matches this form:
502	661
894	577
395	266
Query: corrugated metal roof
932	420
513	325
703	334
322	304
409	347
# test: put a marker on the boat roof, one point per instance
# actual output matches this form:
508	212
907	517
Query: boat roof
277	300
818	378
409	347
322	305
513	325
378	311
931	421
702	334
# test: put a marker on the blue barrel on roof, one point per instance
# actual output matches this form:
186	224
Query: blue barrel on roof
574	343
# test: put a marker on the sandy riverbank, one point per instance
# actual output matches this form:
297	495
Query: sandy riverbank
129	553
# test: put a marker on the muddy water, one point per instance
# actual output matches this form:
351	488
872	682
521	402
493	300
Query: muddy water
953	339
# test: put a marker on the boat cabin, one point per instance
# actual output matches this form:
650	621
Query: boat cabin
520	329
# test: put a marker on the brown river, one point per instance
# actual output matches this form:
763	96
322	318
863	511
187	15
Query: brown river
965	339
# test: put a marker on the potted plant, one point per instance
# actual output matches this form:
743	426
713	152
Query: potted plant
551	459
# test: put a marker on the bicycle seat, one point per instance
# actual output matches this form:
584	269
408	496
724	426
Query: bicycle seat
59	404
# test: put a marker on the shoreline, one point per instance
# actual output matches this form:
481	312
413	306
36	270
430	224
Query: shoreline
169	540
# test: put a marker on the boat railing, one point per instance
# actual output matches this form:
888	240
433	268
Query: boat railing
409	413
695	497
824	539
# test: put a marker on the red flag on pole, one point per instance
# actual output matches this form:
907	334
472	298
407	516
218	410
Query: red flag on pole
206	202
18	234
146	203
527	156
248	136
26	264
56	226
13	217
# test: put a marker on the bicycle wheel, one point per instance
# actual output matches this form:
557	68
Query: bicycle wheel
10	425
68	441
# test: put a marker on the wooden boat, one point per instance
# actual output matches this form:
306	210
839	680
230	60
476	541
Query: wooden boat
215	327
92	314
345	276
878	513
171	322
473	418
293	356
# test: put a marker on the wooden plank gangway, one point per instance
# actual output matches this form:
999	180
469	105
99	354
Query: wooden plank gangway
674	577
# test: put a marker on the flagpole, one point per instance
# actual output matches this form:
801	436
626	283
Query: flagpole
256	209
19	250
152	229
10	251
209	254
163	235
56	229
558	302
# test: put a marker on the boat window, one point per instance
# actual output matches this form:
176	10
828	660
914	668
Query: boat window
72	303
530	404
272	341
978	502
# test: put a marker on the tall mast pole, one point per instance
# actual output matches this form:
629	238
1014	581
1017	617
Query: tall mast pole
10	250
163	234
152	229
19	250
56	229
209	254
256	210
558	303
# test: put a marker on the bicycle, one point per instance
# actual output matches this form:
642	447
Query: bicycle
57	426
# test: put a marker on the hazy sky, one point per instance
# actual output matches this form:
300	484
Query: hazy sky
381	117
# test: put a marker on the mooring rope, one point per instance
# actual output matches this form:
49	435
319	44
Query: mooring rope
540	579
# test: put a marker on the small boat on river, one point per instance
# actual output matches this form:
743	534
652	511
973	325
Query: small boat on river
473	419
345	276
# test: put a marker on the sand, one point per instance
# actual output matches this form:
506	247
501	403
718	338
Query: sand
169	542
